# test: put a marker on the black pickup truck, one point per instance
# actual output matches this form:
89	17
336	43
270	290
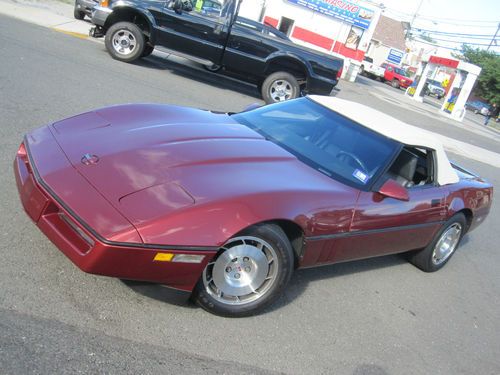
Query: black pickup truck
210	32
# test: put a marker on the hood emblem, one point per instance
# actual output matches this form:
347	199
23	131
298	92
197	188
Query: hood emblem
89	159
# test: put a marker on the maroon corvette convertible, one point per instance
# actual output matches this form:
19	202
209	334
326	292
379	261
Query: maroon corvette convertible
224	207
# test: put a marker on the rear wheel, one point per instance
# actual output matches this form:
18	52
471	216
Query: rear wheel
249	272
362	70
395	83
280	86
442	247
125	41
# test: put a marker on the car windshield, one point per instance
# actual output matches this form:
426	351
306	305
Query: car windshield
323	139
400	72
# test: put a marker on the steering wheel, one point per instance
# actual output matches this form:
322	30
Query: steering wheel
343	154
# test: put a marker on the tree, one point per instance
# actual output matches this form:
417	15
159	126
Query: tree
488	83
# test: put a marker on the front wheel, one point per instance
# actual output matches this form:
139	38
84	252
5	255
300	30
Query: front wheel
77	13
125	41
249	272
439	251
280	86
395	83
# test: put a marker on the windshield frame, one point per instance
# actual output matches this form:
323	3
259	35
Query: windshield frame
397	146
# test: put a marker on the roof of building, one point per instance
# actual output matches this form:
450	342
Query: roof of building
390	32
394	129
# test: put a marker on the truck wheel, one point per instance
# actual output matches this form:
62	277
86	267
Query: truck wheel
77	13
280	86
395	83
362	70
125	41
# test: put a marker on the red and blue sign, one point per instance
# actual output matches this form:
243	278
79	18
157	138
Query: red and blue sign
343	10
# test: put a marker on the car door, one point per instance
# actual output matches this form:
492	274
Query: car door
383	225
198	31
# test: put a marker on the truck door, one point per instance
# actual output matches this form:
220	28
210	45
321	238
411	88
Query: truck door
199	29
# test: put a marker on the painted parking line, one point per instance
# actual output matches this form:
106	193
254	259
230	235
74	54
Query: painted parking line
72	33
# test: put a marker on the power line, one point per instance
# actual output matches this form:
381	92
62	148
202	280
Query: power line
457	41
454	35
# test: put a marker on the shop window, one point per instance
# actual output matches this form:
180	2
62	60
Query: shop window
354	37
286	25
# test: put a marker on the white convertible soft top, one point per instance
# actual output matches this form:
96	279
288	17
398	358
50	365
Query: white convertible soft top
394	129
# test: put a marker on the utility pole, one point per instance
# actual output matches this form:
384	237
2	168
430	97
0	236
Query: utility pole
494	38
416	13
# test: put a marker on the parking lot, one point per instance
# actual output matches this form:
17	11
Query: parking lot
378	316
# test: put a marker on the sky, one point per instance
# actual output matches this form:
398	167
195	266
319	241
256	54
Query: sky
479	17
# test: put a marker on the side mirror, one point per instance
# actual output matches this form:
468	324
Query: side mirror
392	189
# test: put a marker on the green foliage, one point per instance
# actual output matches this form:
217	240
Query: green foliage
488	84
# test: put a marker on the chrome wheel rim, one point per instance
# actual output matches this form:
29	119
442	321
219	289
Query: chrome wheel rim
124	42
447	244
244	271
281	90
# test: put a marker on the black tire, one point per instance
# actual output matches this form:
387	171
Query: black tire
427	259
439	97
78	14
362	70
280	86
213	68
476	111
148	50
222	273
131	34
395	83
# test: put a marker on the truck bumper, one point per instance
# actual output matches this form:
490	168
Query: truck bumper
100	15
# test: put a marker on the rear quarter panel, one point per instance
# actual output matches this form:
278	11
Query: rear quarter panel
475	195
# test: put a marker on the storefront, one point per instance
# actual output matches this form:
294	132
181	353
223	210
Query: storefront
338	27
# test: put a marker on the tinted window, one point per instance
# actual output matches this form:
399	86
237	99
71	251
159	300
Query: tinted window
325	140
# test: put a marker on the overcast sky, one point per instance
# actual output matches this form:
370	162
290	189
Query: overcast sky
456	16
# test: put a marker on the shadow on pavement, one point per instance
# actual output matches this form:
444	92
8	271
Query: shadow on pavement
192	71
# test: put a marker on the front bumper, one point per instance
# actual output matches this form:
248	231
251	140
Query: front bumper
88	250
86	6
100	15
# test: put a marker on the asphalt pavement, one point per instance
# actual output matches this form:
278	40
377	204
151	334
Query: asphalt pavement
378	316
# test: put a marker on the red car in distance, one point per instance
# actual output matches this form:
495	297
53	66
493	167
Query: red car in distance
224	207
396	76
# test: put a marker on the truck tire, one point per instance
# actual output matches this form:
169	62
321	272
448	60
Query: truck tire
362	70
280	86
77	13
125	41
395	83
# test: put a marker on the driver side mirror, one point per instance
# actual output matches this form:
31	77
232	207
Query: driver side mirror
392	189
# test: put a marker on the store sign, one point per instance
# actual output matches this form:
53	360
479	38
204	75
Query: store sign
344	10
395	56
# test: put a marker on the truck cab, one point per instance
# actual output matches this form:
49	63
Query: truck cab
211	33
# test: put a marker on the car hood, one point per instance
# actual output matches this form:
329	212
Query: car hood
149	160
